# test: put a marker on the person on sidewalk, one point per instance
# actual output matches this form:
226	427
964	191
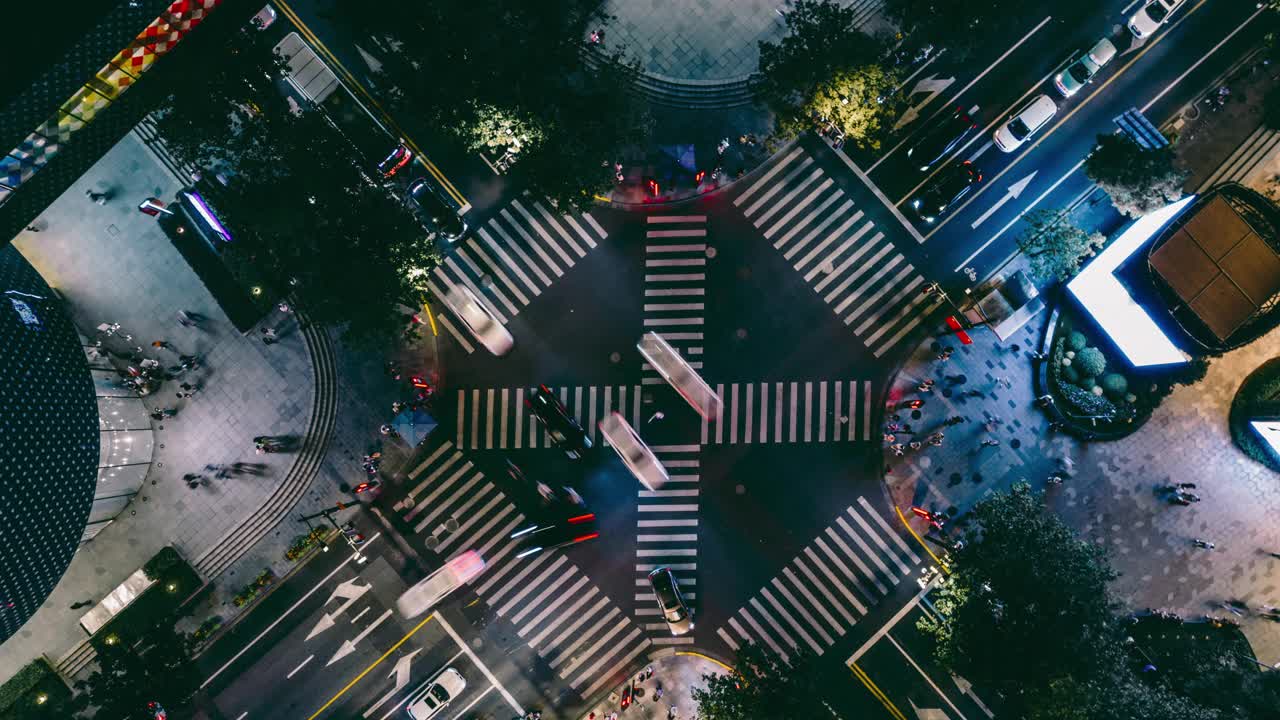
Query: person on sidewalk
1203	544
97	197
269	336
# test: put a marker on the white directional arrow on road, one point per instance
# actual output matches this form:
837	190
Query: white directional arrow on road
348	590
966	688
349	646
1014	191
401	674
928	713
369	60
932	85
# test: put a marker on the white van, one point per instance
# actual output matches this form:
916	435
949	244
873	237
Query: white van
437	695
424	596
1025	123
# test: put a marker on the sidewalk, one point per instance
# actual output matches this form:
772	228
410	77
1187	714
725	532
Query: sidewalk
676	673
113	264
1111	497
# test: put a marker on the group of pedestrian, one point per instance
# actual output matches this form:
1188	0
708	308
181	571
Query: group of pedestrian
268	444
371	463
1180	493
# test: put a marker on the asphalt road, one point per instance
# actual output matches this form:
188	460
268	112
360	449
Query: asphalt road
794	292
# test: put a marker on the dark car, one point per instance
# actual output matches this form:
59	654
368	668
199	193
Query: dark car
941	139
555	534
435	209
549	499
945	190
567	434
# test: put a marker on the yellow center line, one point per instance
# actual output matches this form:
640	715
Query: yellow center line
352	82
876	691
359	677
704	657
920	540
991	183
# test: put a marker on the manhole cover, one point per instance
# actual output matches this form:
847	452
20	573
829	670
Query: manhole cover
1015	443
740	489
615	357
711	252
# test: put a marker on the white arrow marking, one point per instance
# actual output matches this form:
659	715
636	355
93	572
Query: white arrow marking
931	85
927	713
401	674
349	646
1014	191
369	60
966	688
348	590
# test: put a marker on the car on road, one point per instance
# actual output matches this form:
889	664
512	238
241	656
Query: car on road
1151	16
482	323
1025	123
435	210
680	374
946	189
548	496
637	456
674	609
938	141
564	430
263	18
1081	72
437	695
436	586
552	534
399	156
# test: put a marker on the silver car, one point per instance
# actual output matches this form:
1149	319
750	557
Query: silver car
437	695
634	453
674	609
482	323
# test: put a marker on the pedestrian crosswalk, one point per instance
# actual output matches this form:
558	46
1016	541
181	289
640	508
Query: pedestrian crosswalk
554	607
497	418
824	235
826	588
791	412
675	279
507	262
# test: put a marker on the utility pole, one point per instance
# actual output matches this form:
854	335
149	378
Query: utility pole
352	536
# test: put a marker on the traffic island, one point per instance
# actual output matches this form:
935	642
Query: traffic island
652	691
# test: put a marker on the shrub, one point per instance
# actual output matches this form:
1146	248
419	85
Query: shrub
1070	374
1115	385
1085	402
207	628
1077	341
161	563
303	543
1088	382
1091	361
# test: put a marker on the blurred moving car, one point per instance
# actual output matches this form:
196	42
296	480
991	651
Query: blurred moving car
945	190
1025	123
482	324
680	374
565	431
938	142
555	534
436	211
396	159
1081	72
1151	16
436	586
637	456
436	695
674	609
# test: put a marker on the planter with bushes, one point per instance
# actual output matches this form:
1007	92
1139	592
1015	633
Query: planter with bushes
1258	396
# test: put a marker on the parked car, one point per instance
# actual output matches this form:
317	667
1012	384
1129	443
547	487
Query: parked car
635	454
479	320
946	189
437	695
674	609
396	159
436	210
938	141
1151	16
436	586
557	533
564	430
263	18
1025	123
1081	72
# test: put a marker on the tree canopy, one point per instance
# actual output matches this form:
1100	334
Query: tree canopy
133	672
825	65
1139	180
306	213
1055	247
761	684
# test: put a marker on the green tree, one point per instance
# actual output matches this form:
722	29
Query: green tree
131	673
1055	247
824	64
1027	601
761	685
959	26
1139	180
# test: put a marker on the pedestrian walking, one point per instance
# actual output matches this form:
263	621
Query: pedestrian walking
1045	400
32	228
954	420
1185	486
1006	382
897	449
97	197
1054	480
915	445
1189	497
269	336
935	440
163	413
945	355
1067	465
656	416
990	442
915	404
284	308
890	438
1203	544
974	394
1037	355
1272	553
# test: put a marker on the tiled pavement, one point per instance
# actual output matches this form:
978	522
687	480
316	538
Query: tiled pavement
1111	497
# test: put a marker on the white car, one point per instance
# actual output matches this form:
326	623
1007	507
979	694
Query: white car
1151	16
484	326
1025	123
637	456
676	370
264	17
1081	72
437	695
423	596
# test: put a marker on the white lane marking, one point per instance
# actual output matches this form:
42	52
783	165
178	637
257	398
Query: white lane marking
884	629
1018	217
767	176
493	680
1012	193
875	190
300	666
927	679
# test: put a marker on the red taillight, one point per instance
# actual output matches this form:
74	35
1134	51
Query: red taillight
701	174
582	518
583	538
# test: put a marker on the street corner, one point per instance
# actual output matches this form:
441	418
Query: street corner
661	689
